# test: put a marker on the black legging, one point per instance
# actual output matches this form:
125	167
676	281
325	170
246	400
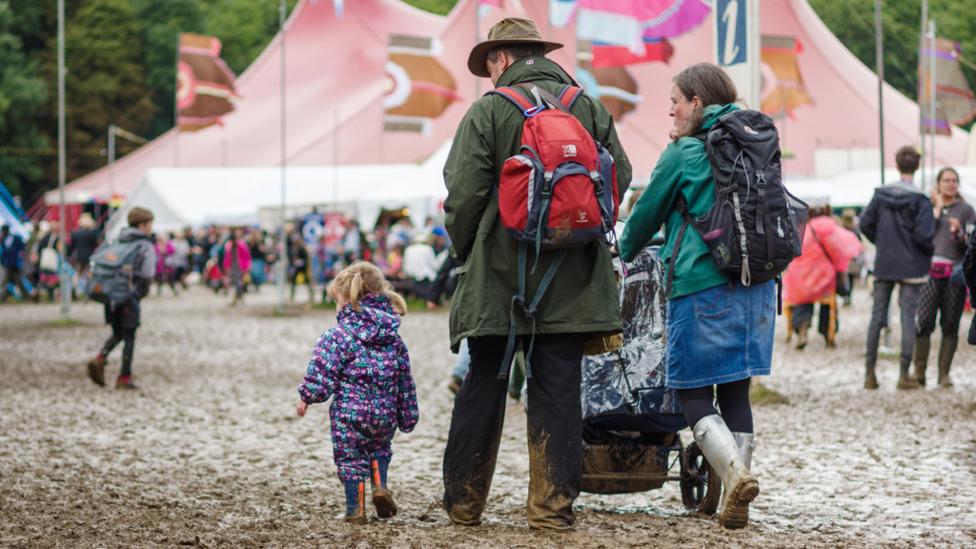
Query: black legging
733	401
122	334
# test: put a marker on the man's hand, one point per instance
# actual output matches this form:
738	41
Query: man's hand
301	408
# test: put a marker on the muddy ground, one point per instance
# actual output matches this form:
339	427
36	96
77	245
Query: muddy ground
210	453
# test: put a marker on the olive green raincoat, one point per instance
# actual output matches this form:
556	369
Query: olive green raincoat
583	295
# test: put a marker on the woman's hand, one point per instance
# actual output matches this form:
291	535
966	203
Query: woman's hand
301	408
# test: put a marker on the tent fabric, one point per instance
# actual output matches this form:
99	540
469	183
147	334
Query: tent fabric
336	81
11	214
854	189
181	197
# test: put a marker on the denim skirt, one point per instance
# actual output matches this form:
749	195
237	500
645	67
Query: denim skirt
721	334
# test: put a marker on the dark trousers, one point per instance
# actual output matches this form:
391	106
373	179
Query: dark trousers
908	303
122	333
554	430
803	314
942	297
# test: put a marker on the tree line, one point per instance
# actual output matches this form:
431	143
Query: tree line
121	61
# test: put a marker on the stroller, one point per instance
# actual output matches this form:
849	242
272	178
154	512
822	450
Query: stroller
630	420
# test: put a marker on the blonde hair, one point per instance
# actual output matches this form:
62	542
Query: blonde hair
361	279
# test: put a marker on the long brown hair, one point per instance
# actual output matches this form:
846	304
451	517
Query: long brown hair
711	85
361	279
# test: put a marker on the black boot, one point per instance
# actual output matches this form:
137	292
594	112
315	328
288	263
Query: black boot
922	344
947	349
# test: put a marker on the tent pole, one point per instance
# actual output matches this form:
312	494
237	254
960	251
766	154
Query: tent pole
111	160
335	159
921	83
282	238
63	266
879	64
932	97
176	107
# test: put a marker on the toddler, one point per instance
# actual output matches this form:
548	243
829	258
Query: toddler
363	365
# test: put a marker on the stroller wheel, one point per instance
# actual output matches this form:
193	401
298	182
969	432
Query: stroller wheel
701	488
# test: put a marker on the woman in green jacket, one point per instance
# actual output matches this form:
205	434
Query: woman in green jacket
720	333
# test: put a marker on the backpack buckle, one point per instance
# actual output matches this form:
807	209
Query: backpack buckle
530	112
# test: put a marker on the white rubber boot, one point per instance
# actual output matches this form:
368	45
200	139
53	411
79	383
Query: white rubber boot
722	452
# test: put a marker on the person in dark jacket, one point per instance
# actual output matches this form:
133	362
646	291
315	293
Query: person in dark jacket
581	300
969	275
899	222
82	245
125	318
11	262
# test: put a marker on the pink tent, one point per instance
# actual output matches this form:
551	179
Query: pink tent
336	74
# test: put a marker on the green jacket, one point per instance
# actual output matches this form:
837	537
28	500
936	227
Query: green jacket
682	169
583	295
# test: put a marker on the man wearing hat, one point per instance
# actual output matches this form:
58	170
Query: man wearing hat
581	300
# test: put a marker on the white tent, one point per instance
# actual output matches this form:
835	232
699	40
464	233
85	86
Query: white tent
855	188
181	197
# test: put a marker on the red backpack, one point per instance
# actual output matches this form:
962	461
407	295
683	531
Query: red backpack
560	190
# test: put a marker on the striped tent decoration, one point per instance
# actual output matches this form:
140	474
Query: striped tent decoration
205	85
419	88
782	88
955	103
629	23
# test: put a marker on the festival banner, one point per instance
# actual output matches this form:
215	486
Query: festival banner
610	55
955	103
782	84
629	23
205	85
419	87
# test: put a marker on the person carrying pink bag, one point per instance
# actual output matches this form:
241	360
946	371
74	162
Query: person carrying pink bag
828	248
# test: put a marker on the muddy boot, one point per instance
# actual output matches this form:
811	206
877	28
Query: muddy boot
96	369
947	349
922	344
356	502
722	452
382	496
801	336
905	381
870	381
746	443
125	383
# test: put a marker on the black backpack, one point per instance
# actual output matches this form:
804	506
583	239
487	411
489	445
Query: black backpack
755	228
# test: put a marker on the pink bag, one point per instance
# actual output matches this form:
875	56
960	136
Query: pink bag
940	270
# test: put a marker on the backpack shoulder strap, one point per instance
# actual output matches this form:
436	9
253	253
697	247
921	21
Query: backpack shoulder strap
513	96
569	95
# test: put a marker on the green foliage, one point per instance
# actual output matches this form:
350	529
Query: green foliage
22	95
852	21
161	23
434	6
107	84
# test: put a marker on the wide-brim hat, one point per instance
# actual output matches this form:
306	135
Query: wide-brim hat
512	30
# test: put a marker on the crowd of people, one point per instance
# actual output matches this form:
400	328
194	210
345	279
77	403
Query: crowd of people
917	241
551	299
236	259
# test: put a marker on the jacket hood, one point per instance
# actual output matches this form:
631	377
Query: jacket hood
374	322
534	68
899	194
128	234
712	113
